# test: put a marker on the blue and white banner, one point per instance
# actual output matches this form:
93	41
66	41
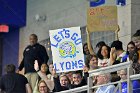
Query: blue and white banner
94	3
67	51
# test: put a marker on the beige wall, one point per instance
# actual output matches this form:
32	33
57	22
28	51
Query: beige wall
68	13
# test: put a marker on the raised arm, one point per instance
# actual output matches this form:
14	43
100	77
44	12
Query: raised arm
116	33
89	43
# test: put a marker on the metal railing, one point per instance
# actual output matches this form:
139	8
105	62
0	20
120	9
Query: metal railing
89	87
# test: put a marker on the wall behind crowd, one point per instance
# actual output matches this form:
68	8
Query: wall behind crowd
60	14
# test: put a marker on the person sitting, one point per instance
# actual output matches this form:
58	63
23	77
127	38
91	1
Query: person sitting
42	87
135	83
104	79
13	82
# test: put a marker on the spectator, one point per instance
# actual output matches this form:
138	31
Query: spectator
69	75
61	83
122	56
105	56
135	83
51	67
13	82
134	58
104	79
43	74
92	62
42	87
130	47
99	45
78	80
85	49
136	40
33	52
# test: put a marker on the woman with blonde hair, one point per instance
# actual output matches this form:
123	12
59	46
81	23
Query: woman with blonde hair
42	87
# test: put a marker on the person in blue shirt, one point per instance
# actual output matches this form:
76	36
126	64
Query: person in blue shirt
104	79
135	83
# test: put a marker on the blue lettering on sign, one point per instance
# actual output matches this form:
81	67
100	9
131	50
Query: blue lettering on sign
78	41
62	65
57	38
80	62
68	65
55	67
61	33
72	65
66	34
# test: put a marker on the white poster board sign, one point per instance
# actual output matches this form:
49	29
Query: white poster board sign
67	51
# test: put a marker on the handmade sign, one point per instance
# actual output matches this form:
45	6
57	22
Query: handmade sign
103	18
67	52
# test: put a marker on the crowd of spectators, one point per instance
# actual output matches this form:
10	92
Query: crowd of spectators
41	77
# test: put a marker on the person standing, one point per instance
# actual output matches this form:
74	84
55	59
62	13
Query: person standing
13	82
33	52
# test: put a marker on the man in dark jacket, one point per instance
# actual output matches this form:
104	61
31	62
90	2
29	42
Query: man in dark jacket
13	82
33	52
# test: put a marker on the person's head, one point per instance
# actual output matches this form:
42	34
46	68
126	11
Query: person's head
42	87
85	49
117	44
136	39
33	39
44	68
51	67
64	80
134	56
131	46
69	75
10	68
91	61
99	45
77	77
104	52
123	74
103	78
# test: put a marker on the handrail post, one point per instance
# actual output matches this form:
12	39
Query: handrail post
90	84
129	82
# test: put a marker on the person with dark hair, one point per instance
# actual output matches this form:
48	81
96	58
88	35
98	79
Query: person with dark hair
44	75
136	40
85	49
130	47
33	52
122	56
92	62
134	58
13	82
105	56
100	44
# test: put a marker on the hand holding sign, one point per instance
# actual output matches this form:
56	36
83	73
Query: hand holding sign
36	67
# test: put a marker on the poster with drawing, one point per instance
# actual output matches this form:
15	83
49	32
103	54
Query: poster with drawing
67	51
102	18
